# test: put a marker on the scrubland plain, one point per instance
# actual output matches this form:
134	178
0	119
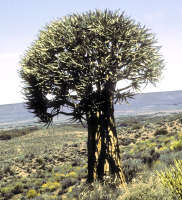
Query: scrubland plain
45	164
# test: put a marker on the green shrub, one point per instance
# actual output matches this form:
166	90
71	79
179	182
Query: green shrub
98	191
5	137
163	149
150	190
51	186
17	188
32	193
6	190
137	126
8	170
68	182
131	167
172	178
176	145
40	161
72	175
59	176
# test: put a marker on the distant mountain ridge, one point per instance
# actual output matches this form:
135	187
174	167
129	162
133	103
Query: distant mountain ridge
172	97
153	102
15	115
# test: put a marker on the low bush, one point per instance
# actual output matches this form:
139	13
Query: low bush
59	176
137	126
32	193
150	190
172	178
8	170
51	186
9	134
131	167
68	182
72	175
162	131
98	191
18	188
5	137
151	158
168	158
6	191
176	145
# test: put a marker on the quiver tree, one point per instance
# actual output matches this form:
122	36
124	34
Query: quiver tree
80	66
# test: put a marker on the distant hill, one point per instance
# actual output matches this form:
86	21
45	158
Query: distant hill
158	98
152	102
14	115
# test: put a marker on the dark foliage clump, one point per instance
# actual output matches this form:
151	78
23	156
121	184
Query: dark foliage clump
151	158
68	182
161	131
131	167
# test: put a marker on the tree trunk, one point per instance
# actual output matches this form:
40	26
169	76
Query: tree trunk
103	149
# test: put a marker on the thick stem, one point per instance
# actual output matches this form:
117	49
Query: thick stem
91	146
103	149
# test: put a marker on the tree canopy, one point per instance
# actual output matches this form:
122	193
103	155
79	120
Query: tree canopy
76	59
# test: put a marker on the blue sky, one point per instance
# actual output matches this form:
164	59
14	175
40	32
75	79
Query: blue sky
21	21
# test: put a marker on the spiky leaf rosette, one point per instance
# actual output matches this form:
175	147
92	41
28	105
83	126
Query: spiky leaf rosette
75	57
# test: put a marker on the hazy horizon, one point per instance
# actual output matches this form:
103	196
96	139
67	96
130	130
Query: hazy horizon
135	94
